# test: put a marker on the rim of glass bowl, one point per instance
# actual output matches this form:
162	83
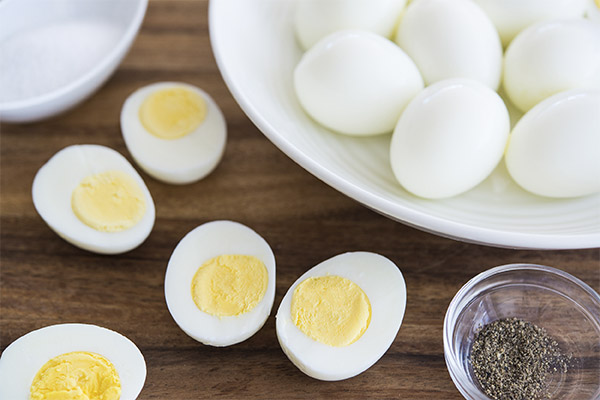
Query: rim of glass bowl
465	295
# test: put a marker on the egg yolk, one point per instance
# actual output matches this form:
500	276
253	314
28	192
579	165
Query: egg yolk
110	201
76	376
331	310
229	285
172	113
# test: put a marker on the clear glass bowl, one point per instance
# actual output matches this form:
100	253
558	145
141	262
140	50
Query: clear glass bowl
565	306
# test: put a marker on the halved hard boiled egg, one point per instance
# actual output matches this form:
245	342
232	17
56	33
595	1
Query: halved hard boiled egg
92	197
174	131
72	361
342	315
220	283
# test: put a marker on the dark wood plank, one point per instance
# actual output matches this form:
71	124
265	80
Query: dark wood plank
44	280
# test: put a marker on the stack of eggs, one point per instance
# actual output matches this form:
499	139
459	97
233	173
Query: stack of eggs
436	87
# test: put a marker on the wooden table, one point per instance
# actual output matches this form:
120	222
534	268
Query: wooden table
45	280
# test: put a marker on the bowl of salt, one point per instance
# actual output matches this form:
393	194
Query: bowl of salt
56	53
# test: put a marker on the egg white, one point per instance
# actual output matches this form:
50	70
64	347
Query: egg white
554	150
449	139
451	39
23	358
356	82
383	283
201	244
315	19
178	161
512	16
53	187
551	57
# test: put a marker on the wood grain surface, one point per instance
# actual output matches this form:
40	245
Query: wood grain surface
44	280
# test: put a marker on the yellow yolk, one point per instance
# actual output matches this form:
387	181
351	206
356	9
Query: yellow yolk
172	113
229	285
331	310
76	376
110	201
597	3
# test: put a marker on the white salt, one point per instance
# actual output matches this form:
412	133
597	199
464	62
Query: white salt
38	61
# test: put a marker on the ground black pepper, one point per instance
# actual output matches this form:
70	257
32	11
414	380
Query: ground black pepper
512	359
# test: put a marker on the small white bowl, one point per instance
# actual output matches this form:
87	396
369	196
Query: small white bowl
255	48
19	18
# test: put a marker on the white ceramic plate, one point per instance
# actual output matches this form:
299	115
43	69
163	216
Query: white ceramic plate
255	48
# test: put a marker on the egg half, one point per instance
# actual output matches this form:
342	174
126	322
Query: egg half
174	131
342	315
220	283
92	197
72	359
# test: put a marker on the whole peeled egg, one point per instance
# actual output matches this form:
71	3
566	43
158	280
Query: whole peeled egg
451	39
174	131
512	16
450	138
92	197
72	361
315	19
220	283
356	82
552	57
342	315
554	150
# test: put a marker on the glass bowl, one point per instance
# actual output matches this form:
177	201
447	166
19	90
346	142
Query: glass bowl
567	308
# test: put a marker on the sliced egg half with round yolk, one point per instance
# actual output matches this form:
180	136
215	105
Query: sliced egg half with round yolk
174	131
92	197
72	361
342	315
220	283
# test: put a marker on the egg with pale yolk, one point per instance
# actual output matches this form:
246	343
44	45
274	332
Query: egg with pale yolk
92	197
342	315
72	361
175	131
220	283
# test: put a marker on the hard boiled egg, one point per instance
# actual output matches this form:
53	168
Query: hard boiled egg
92	197
551	57
356	82
174	131
342	315
315	19
72	361
451	39
512	16
554	150
449	139
220	283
